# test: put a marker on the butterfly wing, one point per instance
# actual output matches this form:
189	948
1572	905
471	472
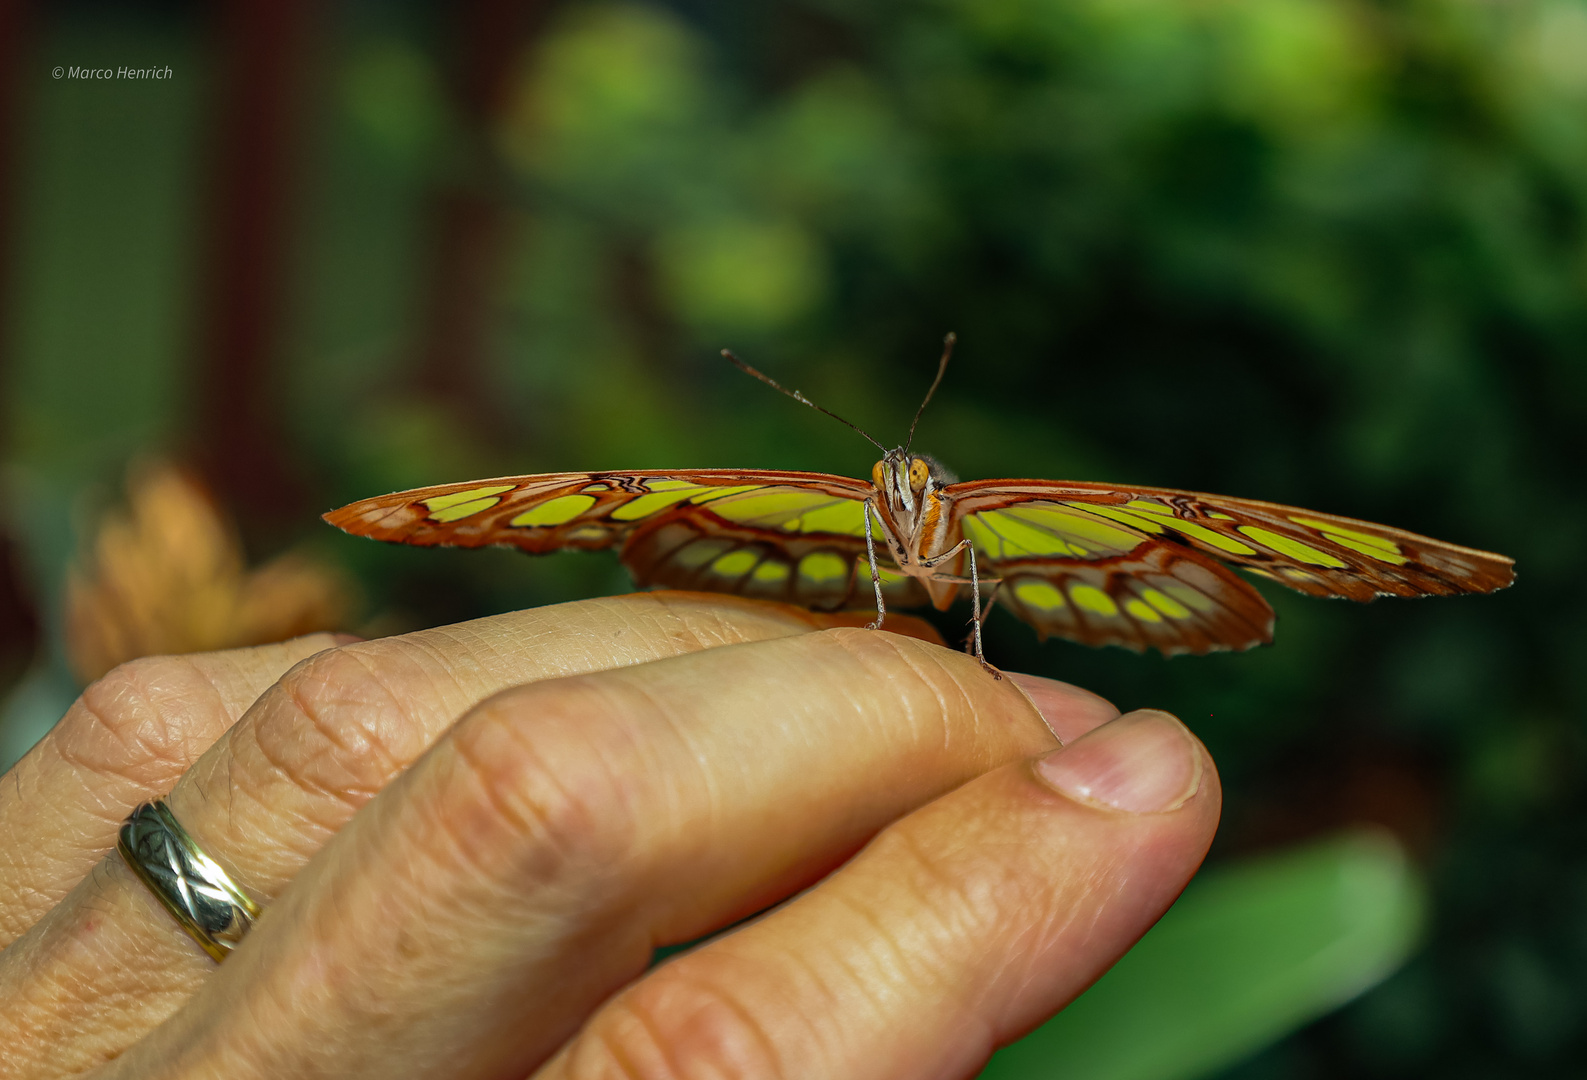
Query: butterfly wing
1140	566
791	536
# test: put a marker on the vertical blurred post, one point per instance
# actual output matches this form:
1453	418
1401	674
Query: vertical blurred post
19	622
468	215
262	56
14	25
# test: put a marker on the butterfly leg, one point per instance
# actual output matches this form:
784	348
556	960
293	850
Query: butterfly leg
876	576
997	585
975	597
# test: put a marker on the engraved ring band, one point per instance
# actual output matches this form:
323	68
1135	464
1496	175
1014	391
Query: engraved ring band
211	907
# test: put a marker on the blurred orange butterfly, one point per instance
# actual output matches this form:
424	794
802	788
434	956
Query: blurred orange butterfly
1101	564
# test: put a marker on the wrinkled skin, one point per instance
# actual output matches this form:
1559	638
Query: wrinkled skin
469	840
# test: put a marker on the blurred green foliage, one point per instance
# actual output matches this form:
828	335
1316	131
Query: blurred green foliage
1325	252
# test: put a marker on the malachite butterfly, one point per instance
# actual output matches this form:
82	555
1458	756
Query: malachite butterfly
1101	564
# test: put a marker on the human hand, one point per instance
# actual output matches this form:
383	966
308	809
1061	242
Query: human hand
468	842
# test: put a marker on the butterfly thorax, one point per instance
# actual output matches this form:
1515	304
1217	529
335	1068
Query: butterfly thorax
915	520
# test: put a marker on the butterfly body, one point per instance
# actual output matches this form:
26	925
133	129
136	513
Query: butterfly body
921	536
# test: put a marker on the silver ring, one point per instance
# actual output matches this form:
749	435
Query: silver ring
202	897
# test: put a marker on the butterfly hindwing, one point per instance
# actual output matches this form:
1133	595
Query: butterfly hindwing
694	548
1160	596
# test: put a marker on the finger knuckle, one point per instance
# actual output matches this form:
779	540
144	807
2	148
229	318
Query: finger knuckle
125	723
676	1028
534	793
334	723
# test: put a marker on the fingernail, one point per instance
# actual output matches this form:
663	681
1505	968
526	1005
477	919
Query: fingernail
1145	762
1069	711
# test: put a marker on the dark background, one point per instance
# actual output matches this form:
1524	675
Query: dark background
1323	252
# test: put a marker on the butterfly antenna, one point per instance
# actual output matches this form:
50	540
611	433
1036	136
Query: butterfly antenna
942	366
797	396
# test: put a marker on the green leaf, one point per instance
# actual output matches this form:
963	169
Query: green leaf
1249	953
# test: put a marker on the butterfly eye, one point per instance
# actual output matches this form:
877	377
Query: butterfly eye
919	473
879	473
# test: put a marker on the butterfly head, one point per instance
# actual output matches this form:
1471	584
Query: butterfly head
904	480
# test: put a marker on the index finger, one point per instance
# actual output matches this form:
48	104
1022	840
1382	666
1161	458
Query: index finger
132	734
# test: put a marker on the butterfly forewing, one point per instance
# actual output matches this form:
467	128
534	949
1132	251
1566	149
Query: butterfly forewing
1109	565
550	511
788	536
